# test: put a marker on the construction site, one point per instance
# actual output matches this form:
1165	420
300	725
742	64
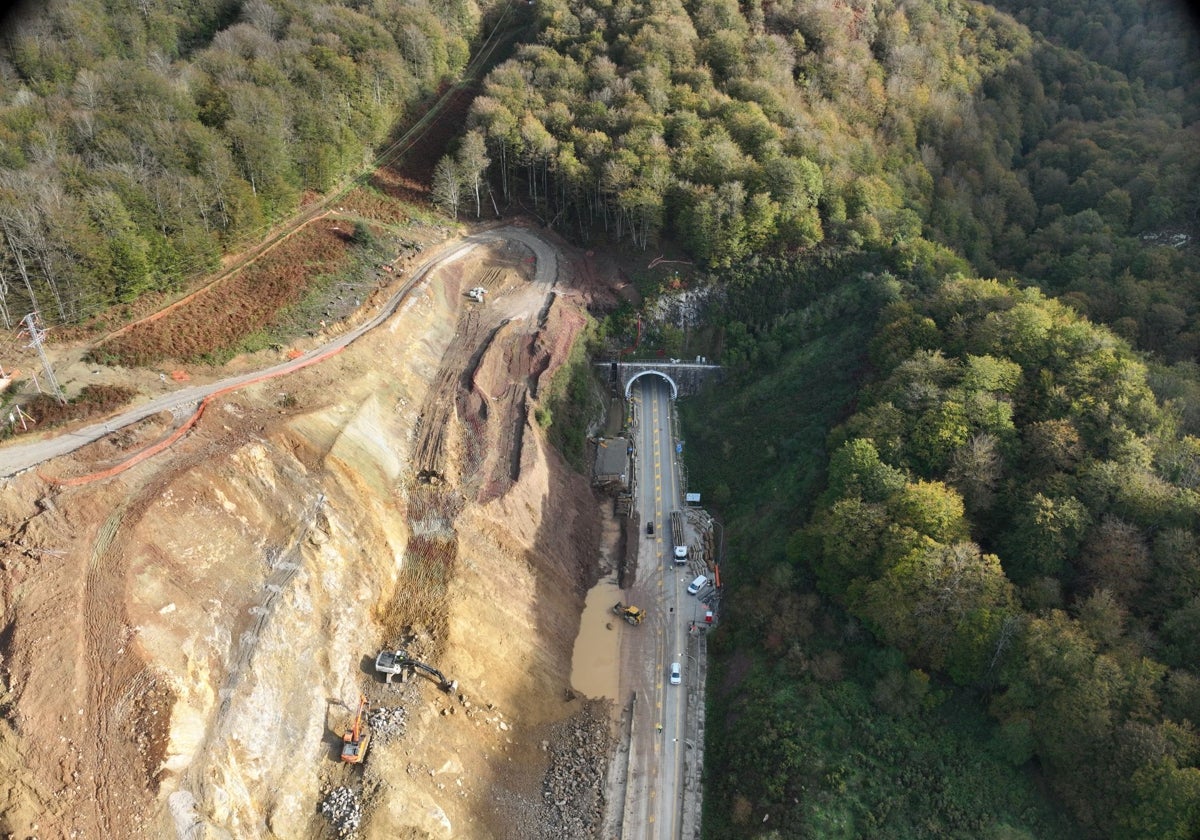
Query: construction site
343	602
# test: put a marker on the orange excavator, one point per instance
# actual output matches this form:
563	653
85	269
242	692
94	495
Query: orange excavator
355	739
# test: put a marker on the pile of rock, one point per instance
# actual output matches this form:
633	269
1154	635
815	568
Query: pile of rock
343	808
573	790
387	724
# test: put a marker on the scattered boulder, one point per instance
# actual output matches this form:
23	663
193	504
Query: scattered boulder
573	789
387	724
342	806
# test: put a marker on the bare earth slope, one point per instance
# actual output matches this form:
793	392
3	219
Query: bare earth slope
184	644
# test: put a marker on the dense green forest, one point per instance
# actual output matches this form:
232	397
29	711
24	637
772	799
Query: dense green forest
962	514
773	127
132	158
963	520
993	578
139	140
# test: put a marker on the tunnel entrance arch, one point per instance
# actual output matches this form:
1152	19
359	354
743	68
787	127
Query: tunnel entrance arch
651	372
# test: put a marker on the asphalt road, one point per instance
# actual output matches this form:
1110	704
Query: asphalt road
19	457
659	777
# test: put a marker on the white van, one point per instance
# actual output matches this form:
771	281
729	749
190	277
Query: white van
698	584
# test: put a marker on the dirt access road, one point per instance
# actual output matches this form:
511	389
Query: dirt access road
18	458
192	630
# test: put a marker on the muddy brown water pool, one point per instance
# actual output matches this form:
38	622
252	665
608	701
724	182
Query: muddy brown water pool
594	664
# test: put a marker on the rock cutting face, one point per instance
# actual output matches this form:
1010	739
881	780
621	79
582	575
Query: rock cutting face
182	642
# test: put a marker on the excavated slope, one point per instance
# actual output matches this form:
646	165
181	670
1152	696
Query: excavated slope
183	645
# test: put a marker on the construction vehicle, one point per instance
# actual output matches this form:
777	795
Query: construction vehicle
476	294
631	614
355	739
393	662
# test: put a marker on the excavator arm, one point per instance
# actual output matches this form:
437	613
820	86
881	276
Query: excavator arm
443	683
391	663
354	741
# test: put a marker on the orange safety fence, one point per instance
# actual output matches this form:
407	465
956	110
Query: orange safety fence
155	448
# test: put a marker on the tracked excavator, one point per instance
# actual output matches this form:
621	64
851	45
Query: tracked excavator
355	739
393	662
633	615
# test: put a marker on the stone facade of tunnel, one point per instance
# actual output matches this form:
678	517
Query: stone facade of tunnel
684	378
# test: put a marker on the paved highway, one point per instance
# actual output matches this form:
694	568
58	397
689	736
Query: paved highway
660	769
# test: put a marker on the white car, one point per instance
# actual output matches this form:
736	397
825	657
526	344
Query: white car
676	674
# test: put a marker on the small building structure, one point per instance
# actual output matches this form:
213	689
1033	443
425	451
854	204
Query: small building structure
611	470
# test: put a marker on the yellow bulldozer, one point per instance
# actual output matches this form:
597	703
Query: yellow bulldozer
631	614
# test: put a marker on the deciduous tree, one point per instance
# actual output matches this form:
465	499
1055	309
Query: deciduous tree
472	161
447	185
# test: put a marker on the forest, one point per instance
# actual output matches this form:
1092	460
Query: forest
962	512
997	568
141	141
949	253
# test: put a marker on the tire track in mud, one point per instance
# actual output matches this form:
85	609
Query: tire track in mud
439	408
474	411
104	623
113	674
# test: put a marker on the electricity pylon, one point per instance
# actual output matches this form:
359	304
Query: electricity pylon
36	334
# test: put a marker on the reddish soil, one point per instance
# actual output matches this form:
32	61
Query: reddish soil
400	187
223	314
93	401
361	201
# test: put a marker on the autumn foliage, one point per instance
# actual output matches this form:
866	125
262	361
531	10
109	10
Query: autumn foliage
228	311
93	401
